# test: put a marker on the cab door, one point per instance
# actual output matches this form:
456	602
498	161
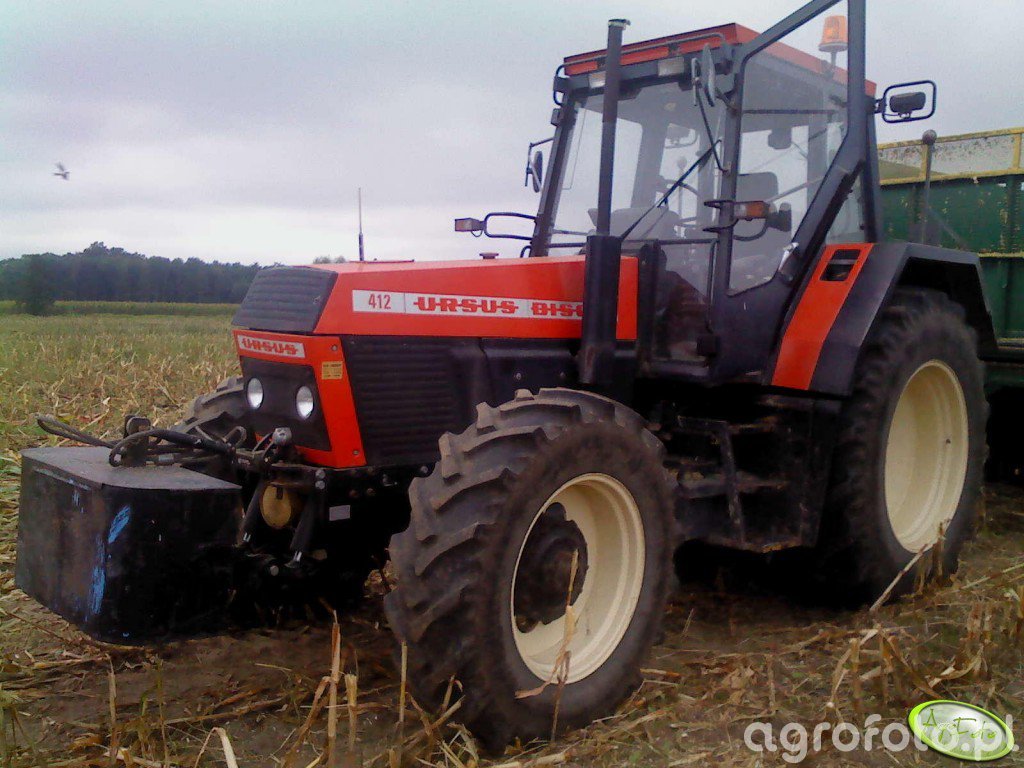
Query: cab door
799	142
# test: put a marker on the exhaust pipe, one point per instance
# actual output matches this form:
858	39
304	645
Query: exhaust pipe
604	251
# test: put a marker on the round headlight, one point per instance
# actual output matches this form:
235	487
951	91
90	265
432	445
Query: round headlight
304	402
254	393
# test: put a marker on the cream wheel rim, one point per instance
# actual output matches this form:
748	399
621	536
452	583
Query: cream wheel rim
926	456
608	520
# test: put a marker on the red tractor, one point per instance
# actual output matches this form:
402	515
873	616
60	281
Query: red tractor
702	347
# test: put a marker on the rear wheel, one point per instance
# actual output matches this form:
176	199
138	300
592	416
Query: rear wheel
908	466
926	455
551	500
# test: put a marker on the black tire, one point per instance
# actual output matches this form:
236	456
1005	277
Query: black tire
859	555
470	518
216	413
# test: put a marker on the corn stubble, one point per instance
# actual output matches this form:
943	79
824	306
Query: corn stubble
728	657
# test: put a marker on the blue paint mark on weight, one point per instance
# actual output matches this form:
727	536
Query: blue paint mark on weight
118	523
99	584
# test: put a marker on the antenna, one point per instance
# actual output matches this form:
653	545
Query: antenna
362	256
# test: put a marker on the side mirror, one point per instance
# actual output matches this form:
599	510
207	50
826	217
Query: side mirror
537	170
480	227
535	164
899	105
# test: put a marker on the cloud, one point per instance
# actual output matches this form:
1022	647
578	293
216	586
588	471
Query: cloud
242	130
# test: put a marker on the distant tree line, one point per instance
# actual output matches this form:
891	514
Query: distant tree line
100	273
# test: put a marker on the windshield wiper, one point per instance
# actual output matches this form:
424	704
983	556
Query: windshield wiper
675	185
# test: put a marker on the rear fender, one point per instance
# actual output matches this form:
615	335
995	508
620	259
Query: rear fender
890	266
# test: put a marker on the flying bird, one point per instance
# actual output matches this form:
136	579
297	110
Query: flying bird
62	171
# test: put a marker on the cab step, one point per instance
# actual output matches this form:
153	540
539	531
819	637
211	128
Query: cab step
687	465
758	544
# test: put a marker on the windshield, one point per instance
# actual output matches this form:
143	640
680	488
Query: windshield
659	135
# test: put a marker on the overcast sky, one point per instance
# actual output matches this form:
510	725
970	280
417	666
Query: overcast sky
241	130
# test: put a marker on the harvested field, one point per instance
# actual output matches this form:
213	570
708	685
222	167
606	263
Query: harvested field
305	694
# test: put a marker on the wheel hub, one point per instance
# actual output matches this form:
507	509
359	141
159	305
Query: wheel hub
545	577
595	516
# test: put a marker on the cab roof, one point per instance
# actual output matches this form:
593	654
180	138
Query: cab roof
663	47
693	42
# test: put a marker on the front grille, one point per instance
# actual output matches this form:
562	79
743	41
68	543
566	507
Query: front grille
280	383
286	299
410	391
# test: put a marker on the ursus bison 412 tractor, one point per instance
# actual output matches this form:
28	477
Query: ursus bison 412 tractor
702	346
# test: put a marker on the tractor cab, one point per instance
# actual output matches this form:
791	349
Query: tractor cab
736	157
734	160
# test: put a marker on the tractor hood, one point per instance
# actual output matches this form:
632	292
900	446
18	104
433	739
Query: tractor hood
514	298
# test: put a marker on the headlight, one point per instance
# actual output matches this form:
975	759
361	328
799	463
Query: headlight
304	402
254	393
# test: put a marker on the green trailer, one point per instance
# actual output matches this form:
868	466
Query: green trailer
977	192
976	202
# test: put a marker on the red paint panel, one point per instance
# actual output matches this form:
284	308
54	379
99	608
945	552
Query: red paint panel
515	298
642	51
813	320
582	68
649	54
324	355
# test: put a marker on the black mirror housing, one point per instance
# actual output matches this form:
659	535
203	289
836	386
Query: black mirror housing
907	103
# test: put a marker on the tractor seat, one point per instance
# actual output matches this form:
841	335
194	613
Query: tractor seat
659	224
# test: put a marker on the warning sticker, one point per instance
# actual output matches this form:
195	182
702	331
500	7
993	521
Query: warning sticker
332	369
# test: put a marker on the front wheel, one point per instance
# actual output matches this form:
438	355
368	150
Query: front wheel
539	552
907	470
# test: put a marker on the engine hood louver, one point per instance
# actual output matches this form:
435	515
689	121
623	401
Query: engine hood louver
285	299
